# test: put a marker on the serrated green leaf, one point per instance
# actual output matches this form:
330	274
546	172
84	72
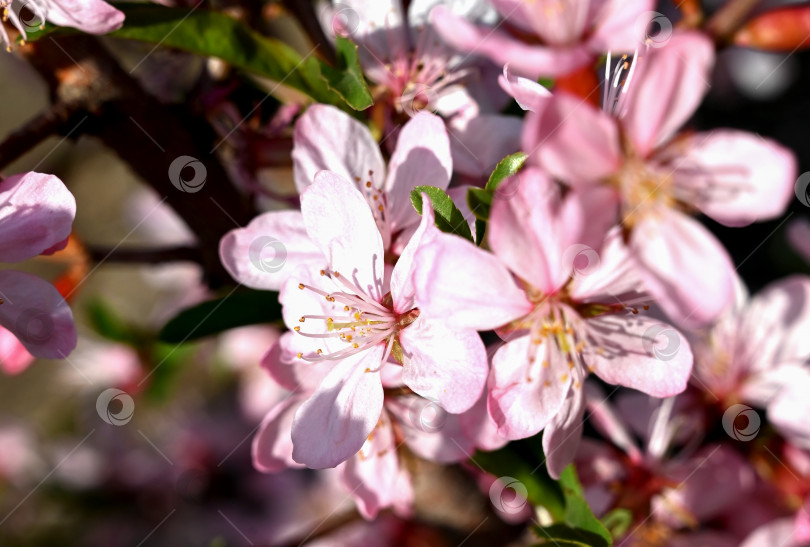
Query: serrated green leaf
448	217
508	166
347	78
214	34
561	534
241	308
577	512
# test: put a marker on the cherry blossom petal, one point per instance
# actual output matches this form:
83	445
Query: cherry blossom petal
14	358
669	84
92	16
282	363
683	266
339	221
480	143
529	60
525	397
326	138
443	364
562	435
430	432
531	229
262	254
332	425
639	352
402	286
422	156
789	410
464	286
272	446
374	476
528	94
572	140
773	330
480	428
621	26
736	177
36	213
35	312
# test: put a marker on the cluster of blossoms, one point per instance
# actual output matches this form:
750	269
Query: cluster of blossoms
575	296
592	261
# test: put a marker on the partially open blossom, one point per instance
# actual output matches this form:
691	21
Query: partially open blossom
548	38
657	177
92	16
356	313
558	323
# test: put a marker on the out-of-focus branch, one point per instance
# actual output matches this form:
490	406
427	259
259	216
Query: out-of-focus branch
58	119
146	256
729	19
147	135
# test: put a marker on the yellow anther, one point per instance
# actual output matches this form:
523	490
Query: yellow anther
355	345
300	355
301	320
546	364
297	329
323	272
301	286
564	378
319	351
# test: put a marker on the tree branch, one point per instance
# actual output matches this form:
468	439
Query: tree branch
55	120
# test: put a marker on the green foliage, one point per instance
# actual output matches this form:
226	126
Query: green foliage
480	199
449	218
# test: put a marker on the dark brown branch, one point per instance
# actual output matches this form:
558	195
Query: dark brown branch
147	135
58	119
729	19
146	256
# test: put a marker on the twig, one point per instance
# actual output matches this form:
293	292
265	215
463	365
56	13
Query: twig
146	256
729	19
55	120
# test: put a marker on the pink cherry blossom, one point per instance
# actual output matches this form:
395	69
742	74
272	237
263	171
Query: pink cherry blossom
547	37
758	352
374	476
36	216
92	16
558	324
657	176
327	139
356	313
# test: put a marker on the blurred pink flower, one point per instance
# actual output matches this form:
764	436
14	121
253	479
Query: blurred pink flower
548	38
560	319
798	232
734	177
358	319
92	16
758	352
36	216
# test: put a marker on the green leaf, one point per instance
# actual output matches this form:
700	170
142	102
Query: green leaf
561	534
508	166
618	521
112	327
479	201
214	34
347	79
448	217
238	309
577	512
541	490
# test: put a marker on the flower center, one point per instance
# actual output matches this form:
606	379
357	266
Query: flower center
360	324
642	188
